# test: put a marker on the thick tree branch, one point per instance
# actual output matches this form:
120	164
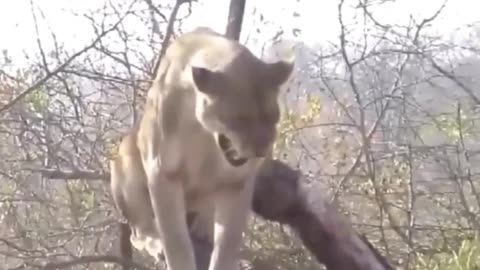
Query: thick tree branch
280	196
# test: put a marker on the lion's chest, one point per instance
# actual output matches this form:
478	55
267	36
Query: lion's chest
197	162
189	153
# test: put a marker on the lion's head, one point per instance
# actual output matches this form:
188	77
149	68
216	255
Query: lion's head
237	102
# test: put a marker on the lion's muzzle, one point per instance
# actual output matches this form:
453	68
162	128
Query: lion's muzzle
239	155
231	155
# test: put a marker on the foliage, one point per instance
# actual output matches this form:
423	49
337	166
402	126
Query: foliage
460	123
465	257
291	122
38	100
381	119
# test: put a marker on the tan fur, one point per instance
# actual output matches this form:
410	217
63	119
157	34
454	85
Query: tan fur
209	121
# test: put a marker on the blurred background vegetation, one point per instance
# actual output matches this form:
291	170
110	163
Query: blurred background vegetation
382	118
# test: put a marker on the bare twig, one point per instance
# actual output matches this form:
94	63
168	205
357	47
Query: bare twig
39	42
60	68
72	175
91	259
154	11
460	180
454	79
410	208
168	34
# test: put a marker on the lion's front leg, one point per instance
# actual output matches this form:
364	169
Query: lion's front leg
168	203
232	209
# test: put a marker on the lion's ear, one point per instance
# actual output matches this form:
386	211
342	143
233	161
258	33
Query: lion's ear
279	72
204	79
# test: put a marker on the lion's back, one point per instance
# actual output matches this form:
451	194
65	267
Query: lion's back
203	47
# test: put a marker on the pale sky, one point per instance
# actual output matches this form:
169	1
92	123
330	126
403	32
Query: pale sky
317	21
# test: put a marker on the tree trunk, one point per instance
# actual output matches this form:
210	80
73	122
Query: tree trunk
235	19
126	249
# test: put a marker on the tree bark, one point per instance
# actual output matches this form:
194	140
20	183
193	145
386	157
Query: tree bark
281	197
126	249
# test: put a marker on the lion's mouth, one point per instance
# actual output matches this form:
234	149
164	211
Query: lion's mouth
231	155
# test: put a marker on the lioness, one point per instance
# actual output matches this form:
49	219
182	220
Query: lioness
209	122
